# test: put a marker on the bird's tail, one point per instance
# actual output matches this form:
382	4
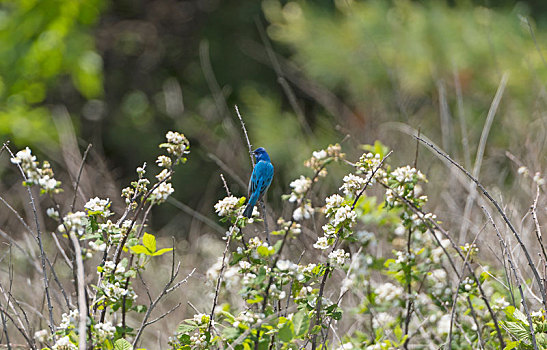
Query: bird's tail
248	212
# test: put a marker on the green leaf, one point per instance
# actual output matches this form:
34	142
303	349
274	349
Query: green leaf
285	333
186	328
162	251
519	331
122	344
149	241
301	323
520	316
139	249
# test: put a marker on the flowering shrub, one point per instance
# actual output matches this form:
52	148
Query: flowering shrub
425	290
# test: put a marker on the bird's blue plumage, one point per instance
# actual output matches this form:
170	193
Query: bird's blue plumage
261	179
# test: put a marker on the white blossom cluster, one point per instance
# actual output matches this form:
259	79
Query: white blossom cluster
353	184
114	292
201	319
404	257
74	223
540	181
289	227
164	161
160	193
304	211
382	320
388	292
500	304
35	175
64	343
177	144
299	188
97	206
40	335
405	176
248	317
338	257
199	341
103	331
69	320
226	205
230	277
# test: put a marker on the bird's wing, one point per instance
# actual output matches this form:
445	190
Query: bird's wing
261	178
266	178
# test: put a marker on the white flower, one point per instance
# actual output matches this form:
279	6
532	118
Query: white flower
319	154
244	265
338	257
443	325
285	265
352	184
74	222
500	304
226	205
164	161
47	183
522	170
382	320
199	318
322	243
97	247
388	292
23	156
333	202
164	175
345	346
343	214
52	213
302	212
161	192
300	186
99	206
104	331
64	344
41	335
539	180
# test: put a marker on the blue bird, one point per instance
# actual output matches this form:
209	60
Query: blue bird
260	179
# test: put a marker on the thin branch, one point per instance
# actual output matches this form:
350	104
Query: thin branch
77	183
166	290
246	136
51	324
517	278
503	215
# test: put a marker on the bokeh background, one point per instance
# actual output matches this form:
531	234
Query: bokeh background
304	74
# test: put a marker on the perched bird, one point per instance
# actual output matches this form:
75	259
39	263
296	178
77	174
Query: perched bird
260	179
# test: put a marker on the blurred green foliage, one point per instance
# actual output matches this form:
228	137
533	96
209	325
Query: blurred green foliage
335	68
42	41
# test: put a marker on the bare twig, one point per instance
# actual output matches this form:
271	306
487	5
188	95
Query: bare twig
455	298
517	278
169	287
219	279
77	183
246	136
503	215
51	324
